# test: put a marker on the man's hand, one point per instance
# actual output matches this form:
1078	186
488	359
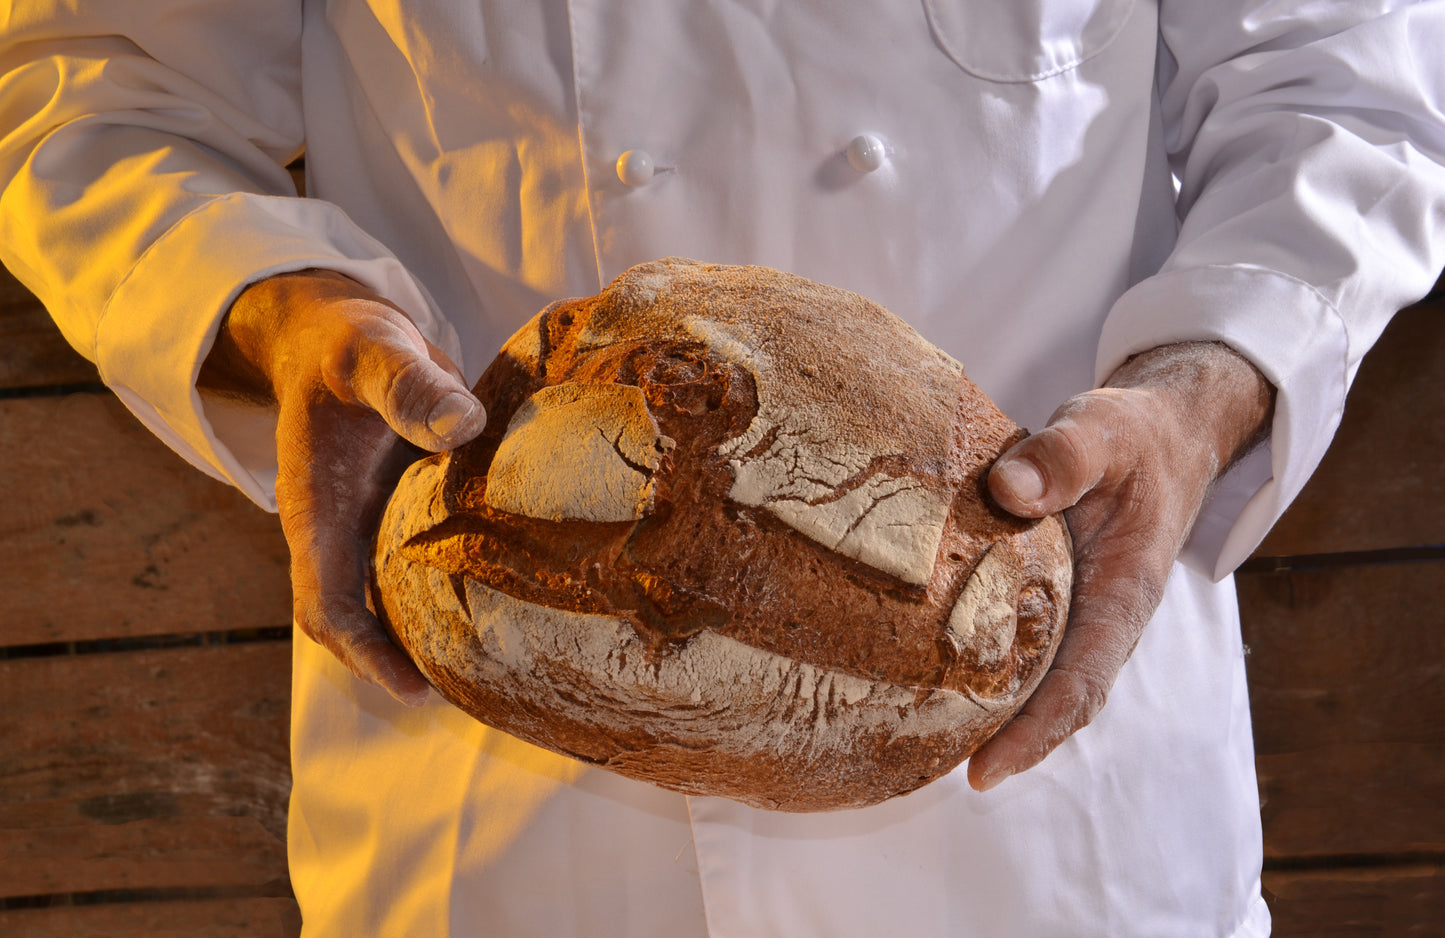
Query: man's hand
356	387
1129	465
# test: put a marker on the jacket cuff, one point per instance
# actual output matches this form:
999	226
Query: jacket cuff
162	319
1297	340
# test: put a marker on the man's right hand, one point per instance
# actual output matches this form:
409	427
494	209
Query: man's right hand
356	386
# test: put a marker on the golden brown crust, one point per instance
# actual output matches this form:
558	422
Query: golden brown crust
814	536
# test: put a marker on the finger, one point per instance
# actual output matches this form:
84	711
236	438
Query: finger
1117	589
335	471
328	573
393	373
1051	470
444	361
1071	694
346	628
1064	703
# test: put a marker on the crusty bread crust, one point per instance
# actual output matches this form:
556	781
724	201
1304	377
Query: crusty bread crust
727	532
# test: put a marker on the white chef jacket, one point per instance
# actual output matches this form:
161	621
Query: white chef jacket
461	159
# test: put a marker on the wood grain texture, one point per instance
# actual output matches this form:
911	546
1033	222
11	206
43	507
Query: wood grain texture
157	853
105	533
1406	901
218	918
1347	676
1381	484
150	769
32	351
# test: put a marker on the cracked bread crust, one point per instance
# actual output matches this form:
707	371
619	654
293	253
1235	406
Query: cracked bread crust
795	593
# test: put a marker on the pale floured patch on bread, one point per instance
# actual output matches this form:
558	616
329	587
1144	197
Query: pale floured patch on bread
984	618
582	452
802	478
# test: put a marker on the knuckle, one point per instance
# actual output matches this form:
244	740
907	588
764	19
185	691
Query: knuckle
307	526
1082	694
410	389
1070	442
304	614
335	621
1128	585
373	360
341	359
1063	452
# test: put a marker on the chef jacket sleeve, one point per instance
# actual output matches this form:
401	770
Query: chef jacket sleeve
1308	141
143	162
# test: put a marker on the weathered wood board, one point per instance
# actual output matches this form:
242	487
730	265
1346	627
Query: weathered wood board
216	918
144	770
184	852
1405	901
1347	677
106	533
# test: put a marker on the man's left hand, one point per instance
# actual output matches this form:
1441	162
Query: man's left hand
1130	465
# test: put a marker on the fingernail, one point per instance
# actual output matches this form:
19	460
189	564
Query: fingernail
1022	477
449	412
992	779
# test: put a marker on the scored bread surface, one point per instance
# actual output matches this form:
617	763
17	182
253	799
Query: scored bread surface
727	532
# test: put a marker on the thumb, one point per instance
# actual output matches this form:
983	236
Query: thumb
422	399
1051	470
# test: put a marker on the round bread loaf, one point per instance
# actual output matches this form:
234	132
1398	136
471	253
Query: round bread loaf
727	532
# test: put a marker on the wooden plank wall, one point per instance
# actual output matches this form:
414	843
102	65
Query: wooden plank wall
1343	610
144	670
145	658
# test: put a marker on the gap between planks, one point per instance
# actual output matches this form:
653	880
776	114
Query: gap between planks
1348	558
280	633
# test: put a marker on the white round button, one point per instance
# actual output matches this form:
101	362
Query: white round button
866	153
635	168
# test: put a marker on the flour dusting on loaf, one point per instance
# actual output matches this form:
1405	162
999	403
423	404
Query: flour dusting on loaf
726	532
585	452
